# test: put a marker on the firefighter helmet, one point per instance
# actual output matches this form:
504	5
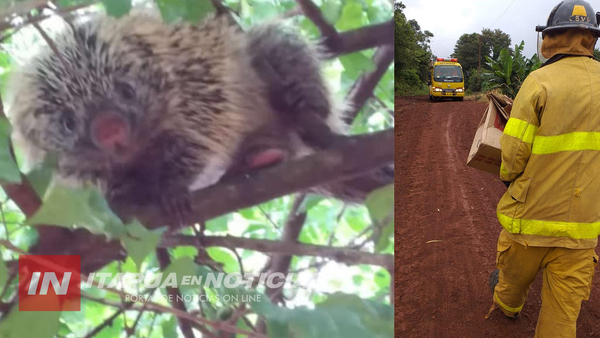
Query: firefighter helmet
577	14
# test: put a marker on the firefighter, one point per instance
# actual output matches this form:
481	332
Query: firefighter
551	163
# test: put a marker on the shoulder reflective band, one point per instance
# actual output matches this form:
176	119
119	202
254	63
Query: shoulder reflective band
549	228
520	129
566	142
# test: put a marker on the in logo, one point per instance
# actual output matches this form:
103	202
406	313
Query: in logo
49	283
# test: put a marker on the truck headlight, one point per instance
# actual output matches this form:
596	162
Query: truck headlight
436	89
460	90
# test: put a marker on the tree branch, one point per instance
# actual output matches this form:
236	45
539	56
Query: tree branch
313	13
338	254
174	295
350	158
363	88
109	321
359	39
281	263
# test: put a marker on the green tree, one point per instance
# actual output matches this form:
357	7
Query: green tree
509	71
493	41
466	50
422	54
412	52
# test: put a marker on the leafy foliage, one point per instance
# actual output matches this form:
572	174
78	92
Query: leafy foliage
364	310
117	8
8	168
467	50
509	71
493	41
411	53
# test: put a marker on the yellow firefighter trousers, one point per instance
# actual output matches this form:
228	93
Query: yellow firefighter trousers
567	281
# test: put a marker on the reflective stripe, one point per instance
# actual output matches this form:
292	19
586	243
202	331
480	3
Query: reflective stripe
520	129
506	307
549	228
566	142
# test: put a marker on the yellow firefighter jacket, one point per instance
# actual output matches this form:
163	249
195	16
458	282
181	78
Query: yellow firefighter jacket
551	153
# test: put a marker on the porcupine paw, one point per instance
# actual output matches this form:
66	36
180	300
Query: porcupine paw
176	204
125	192
288	97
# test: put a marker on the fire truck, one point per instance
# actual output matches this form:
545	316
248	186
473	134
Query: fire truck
446	80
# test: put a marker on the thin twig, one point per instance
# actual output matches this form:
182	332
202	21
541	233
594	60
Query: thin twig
151	306
363	88
131	330
268	217
108	321
314	14
340	254
174	295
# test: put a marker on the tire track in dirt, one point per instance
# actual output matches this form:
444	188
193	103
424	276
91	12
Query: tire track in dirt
442	287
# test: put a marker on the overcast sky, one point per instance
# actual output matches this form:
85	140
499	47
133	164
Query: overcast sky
449	19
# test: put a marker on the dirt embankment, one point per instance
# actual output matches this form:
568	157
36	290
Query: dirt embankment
442	286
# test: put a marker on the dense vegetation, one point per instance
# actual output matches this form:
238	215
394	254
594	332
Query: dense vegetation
412	53
509	70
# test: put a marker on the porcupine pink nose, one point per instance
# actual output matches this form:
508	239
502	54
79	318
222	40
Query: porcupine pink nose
110	133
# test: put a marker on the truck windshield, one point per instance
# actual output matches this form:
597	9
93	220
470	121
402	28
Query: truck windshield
447	74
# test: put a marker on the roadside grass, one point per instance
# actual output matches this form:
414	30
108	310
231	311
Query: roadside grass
412	91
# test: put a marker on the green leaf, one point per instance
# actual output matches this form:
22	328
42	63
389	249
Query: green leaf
9	171
376	319
379	12
69	3
66	207
331	10
117	8
357	280
169	328
382	279
192	11
356	63
139	241
219	223
384	241
185	266
309	201
352	16
18	324
113	330
184	251
112	225
86	208
40	178
380	204
225	257
262	10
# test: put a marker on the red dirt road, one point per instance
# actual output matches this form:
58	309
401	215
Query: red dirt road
441	287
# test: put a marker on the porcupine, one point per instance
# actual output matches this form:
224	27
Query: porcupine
149	111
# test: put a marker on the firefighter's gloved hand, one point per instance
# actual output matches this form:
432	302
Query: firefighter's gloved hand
506	183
